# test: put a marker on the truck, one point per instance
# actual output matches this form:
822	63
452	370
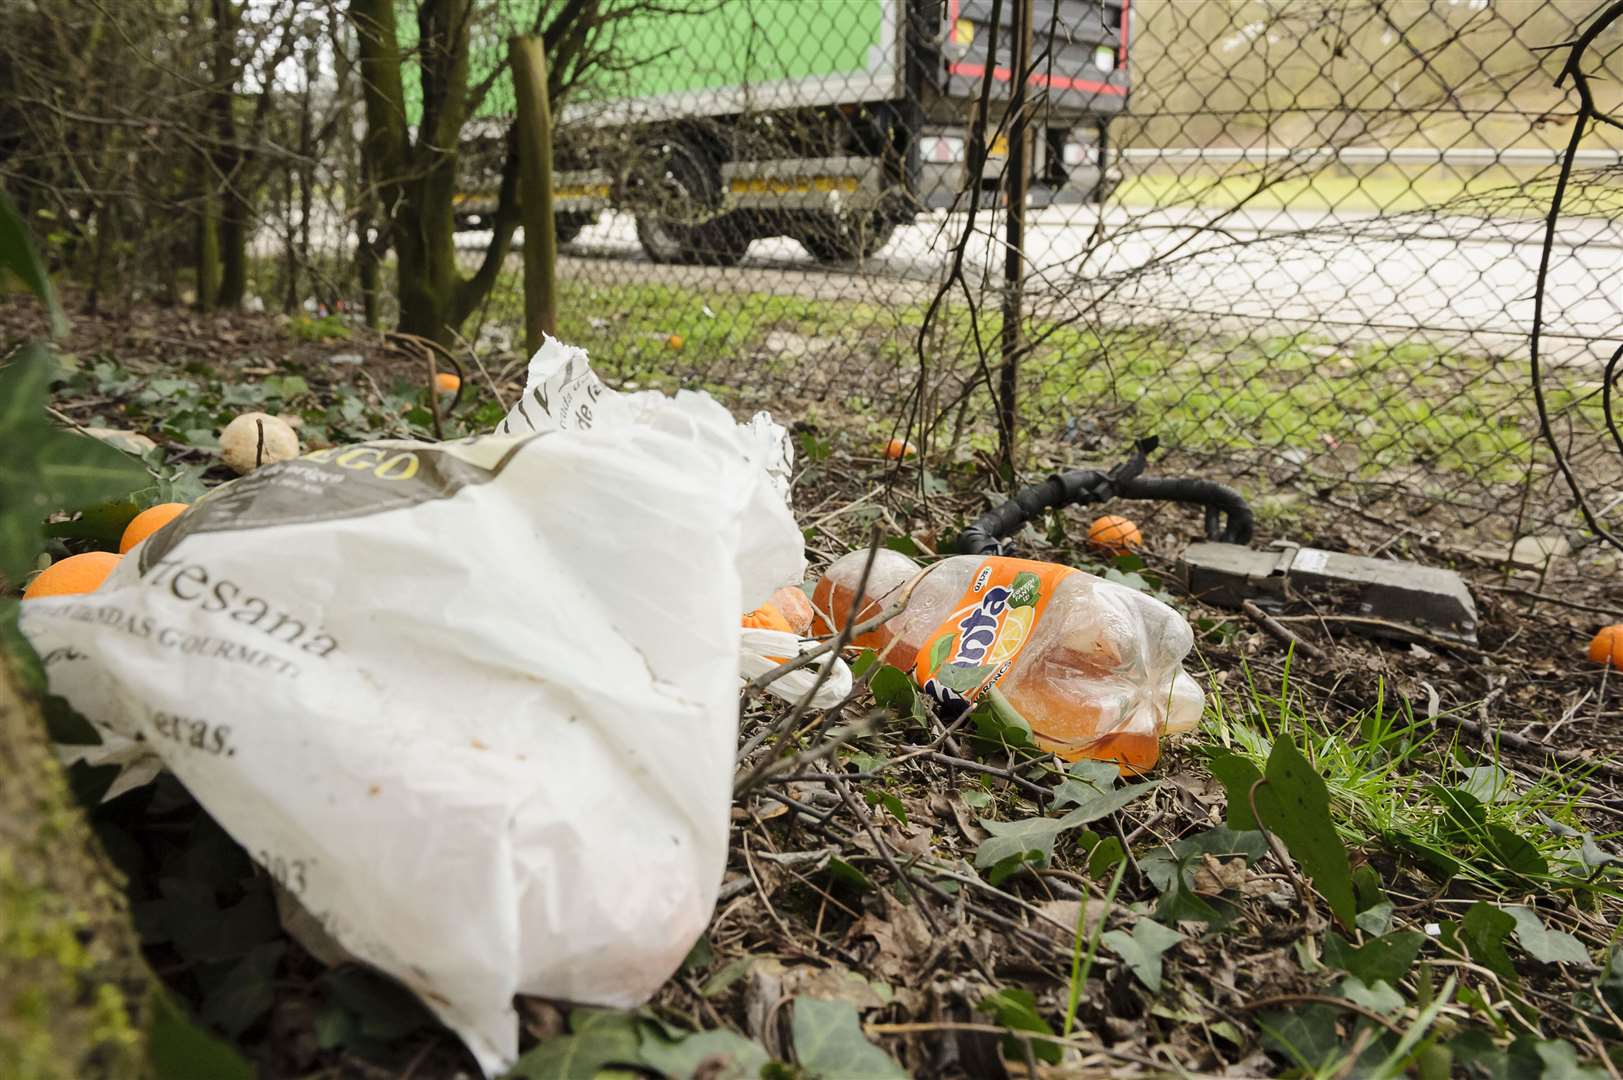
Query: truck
828	121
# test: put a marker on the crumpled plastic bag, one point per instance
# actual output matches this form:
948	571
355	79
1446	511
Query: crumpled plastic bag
474	704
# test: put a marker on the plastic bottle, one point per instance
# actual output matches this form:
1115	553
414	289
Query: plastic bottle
1094	667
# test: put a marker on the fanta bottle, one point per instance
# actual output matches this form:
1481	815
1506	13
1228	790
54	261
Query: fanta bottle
1095	668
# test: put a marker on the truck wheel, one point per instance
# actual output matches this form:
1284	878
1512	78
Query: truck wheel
568	226
675	191
837	238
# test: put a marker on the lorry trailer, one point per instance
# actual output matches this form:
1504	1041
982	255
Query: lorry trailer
828	121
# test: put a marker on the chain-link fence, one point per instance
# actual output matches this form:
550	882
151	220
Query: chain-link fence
1299	241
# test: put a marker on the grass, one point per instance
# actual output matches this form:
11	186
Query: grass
1387	189
1393	784
1363	407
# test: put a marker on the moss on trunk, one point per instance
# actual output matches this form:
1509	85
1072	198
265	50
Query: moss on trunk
73	986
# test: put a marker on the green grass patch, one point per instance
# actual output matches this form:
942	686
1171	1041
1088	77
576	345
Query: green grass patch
1364	408
1387	189
1453	811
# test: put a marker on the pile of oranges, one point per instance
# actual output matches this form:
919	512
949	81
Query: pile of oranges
85	573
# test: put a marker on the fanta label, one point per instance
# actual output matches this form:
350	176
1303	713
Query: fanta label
978	643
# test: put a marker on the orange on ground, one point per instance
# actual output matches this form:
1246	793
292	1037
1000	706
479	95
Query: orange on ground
446	382
897	449
74	574
1114	534
675	341
1607	645
147	522
767	617
797	610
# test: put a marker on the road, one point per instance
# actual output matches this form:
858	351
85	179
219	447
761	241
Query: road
1461	280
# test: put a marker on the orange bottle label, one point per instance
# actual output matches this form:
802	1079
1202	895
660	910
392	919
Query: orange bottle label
979	642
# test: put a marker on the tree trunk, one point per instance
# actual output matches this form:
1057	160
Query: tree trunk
73	986
228	160
208	257
425	235
233	248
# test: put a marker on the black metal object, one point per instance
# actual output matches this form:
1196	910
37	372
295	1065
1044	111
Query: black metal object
1228	518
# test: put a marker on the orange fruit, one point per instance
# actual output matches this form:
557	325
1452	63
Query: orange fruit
446	382
767	617
797	610
1607	645
1114	534
74	574
897	449
675	342
147	522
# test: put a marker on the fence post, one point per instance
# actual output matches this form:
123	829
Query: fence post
1016	183
535	189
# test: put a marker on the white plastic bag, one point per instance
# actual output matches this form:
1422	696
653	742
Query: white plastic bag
474	704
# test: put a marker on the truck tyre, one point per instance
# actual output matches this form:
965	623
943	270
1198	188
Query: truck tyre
837	238
675	191
568	226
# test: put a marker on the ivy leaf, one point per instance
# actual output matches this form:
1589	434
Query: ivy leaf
1016	1008
1560	1061
1142	949
1014	843
1381	959
180	1050
894	689
1544	945
1171	870
941	651
597	1038
1084	780
998	722
1295	806
1379	997
1376	920
245	992
1489	783
717	1055
1237	775
1483	932
829	1043
1307	1035
375	1006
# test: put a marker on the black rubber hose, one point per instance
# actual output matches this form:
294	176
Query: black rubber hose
1218	499
985	535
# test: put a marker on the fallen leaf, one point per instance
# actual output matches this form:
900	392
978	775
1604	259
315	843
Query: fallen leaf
1214	876
1065	912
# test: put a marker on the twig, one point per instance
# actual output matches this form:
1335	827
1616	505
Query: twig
1043	794
1289	637
1402	629
882	848
920	1026
1533	746
1543	598
1320	999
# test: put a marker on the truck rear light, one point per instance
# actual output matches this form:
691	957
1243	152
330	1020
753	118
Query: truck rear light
1104	58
